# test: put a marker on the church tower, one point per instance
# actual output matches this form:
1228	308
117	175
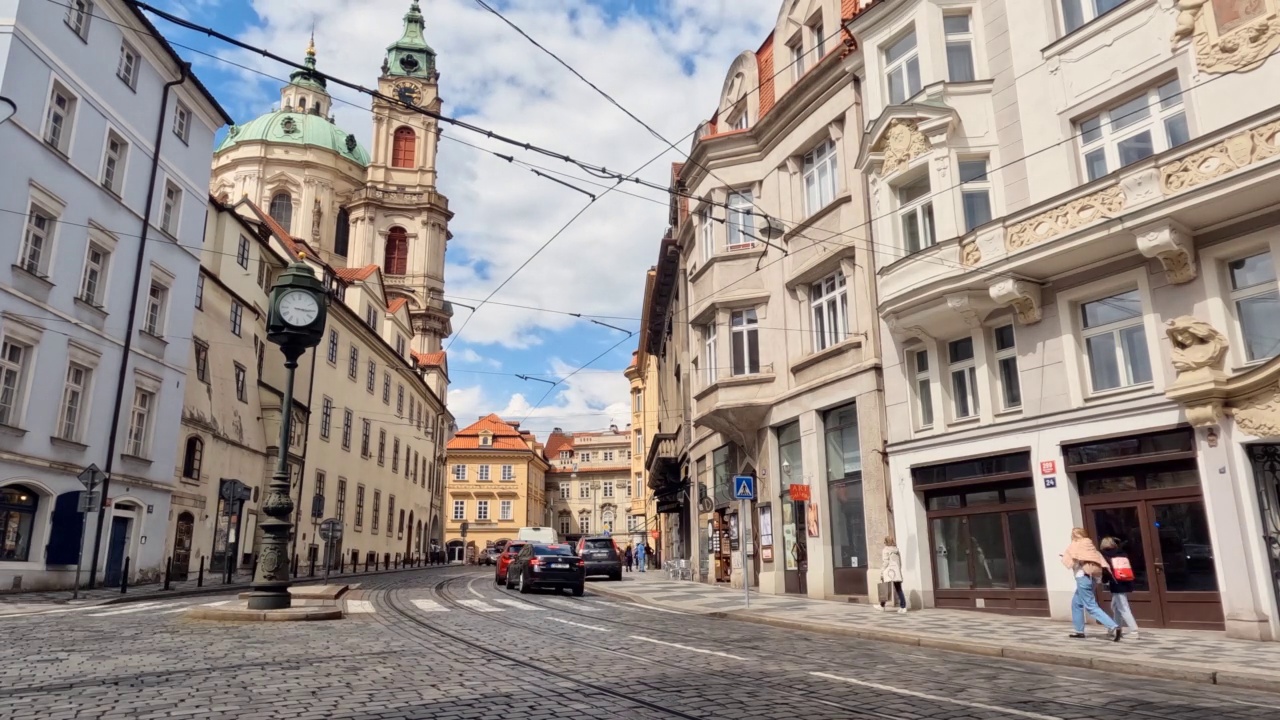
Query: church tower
399	221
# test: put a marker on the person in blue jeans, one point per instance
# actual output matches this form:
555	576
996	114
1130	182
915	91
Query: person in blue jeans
640	557
1083	559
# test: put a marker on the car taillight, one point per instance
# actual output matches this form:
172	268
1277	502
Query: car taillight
535	561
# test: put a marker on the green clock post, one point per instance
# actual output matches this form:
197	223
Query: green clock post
295	322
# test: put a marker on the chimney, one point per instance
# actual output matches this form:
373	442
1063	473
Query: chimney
557	431
613	429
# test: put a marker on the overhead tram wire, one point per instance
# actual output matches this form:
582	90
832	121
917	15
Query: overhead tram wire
580	368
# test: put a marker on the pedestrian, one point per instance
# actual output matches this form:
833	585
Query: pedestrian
1119	574
891	573
640	558
650	556
628	558
1083	559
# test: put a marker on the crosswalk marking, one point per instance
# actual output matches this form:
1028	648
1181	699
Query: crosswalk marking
359	606
216	604
573	604
173	611
518	604
144	607
429	606
570	622
478	606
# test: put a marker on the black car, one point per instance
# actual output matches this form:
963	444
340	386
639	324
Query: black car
601	557
541	565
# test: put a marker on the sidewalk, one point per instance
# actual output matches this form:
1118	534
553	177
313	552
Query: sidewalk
1207	657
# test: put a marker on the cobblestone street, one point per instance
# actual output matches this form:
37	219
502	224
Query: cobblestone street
448	644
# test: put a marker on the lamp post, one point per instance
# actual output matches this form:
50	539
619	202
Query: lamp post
7	108
295	322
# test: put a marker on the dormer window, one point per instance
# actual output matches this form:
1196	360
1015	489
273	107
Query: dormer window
486	439
740	122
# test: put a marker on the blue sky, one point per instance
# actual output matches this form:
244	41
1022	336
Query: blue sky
665	60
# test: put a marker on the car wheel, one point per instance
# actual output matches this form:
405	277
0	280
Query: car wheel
616	577
507	581
578	590
497	580
524	586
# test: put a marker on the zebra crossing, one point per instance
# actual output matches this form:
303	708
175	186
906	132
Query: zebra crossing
158	607
480	605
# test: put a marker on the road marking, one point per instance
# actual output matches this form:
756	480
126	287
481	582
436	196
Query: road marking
1242	702
51	612
937	698
216	604
570	622
134	609
359	606
686	647
579	605
518	604
478	606
175	610
474	591
430	606
650	607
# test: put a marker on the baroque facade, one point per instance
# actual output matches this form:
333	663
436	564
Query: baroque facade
642	376
589	483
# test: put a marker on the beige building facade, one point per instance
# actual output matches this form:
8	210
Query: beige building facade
643	524
589	483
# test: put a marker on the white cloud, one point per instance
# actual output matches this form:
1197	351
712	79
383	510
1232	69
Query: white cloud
586	401
469	356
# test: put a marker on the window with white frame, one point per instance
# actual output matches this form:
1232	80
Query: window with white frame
93	280
821	176
902	69
140	422
505	508
584	456
127	68
508	472
606	520
157	299
608	488
59	119
584	523
915	212
182	121
1075	13
829	301
921	387
740	120
483	472
79	12
584	490
1006	354
745	342
459	472
459	509
564	491
564	457
565	521
959	35
817	40
975	192
1136	129
964	378
796	48
114	155
740	230
482	509
15	368
386	388
709	351
353	361
242	384
706	233
607	456
1256	304
400	400
171	208
37	241
1115	341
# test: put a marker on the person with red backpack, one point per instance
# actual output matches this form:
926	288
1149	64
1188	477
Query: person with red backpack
1120	579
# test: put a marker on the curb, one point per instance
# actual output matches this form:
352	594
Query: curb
1160	669
240	587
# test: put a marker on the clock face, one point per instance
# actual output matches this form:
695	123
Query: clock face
299	308
408	93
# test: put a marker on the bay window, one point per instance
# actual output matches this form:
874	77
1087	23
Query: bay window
741	233
709	352
706	234
964	378
922	387
915	212
745	342
959	36
821	176
1115	341
975	193
1256	304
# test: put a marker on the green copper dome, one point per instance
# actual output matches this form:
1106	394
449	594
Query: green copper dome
411	56
297	129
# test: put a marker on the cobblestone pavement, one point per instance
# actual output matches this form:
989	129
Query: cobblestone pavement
447	644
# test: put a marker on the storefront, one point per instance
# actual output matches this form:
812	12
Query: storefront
794	501
845	495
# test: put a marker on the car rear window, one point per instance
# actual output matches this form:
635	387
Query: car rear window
514	548
552	550
600	544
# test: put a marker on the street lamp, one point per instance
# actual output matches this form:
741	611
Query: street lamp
295	322
7	109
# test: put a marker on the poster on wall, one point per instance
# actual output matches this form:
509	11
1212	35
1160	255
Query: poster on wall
811	519
766	532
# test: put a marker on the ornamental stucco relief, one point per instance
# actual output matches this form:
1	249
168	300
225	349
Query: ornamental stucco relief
1229	35
1197	345
1065	218
1238	151
1259	415
901	143
970	253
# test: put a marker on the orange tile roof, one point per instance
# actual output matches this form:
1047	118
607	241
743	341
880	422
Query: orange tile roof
356	274
290	242
396	304
557	442
434	359
635	359
506	435
764	64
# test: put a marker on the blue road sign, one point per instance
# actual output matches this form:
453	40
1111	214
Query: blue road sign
744	487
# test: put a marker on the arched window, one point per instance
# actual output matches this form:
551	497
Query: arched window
397	259
402	150
302	103
606	519
282	210
192	458
17	521
342	234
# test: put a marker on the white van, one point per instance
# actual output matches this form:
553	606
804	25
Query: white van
538	535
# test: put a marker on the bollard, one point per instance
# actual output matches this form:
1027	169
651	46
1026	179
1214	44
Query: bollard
200	576
312	571
294	570
366	563
168	569
124	578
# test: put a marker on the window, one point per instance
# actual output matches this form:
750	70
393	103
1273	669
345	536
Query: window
264	274
171	208
584	456
395	455
202	359
200	292
400	345
326	418
359	522
377	504
342	499
241	389
584	490
505	510
608	488
366	429
459	509
382	447
508	472
140	422
372	379
93	281
396	258
741	231
347	419
817	40
1253	294
975	193
1007	367
460	472
37	242
391	514
745	342
78	14
386	388
237	317
371	316
959	47
17	522
1115	341
564	457
182	122
74	396
482	509
156	297
114	155
796	47
281	210
608	456
400	400
922	387
402	151
242	252
830	305
564	491
844	487
353	361
566	521
964	378
902	68
342	233
915	210
706	233
127	69
1153	122
584	523
821	176
333	347
58	120
1075	13
483	472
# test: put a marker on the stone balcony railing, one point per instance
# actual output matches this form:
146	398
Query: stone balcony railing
400	197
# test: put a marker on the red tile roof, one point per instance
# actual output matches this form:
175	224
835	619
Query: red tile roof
557	442
434	359
290	242
356	274
396	304
764	64
506	435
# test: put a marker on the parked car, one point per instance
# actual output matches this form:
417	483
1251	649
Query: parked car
540	565
504	561
601	557
538	534
488	556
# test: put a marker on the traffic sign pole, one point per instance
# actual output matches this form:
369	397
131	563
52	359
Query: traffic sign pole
744	489
89	478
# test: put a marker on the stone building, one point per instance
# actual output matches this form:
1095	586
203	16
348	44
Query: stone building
589	483
642	513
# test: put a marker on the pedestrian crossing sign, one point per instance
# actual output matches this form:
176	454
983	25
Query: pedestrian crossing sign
744	487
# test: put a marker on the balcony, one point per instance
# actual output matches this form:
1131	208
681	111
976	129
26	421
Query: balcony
663	460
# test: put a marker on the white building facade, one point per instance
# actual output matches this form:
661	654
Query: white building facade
1073	212
89	83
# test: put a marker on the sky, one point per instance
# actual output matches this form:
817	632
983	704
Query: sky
664	60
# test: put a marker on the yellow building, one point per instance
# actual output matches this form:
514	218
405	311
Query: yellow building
496	484
642	516
589	483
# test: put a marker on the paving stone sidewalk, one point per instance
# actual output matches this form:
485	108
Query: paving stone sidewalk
1209	657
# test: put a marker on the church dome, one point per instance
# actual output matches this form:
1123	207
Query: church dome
296	128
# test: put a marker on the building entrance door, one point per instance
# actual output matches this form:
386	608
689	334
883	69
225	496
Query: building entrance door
182	546
795	551
116	548
1266	476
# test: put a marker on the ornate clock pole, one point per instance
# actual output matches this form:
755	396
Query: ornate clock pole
295	322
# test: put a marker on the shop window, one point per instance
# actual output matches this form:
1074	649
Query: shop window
17	521
844	481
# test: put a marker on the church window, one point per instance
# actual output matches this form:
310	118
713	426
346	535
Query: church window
397	260
403	150
282	210
302	104
342	234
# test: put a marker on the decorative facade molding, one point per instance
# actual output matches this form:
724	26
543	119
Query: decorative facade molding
1171	244
1065	218
907	332
901	143
964	306
1197	345
1023	296
970	253
1229	35
1237	151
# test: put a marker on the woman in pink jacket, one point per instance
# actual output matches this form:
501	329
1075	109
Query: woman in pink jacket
1082	558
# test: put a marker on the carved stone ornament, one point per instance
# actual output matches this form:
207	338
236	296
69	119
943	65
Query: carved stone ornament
1207	414
269	562
901	143
1229	35
1171	244
1022	295
1259	415
1065	218
962	304
1238	151
1196	345
970	253
289	126
907	332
